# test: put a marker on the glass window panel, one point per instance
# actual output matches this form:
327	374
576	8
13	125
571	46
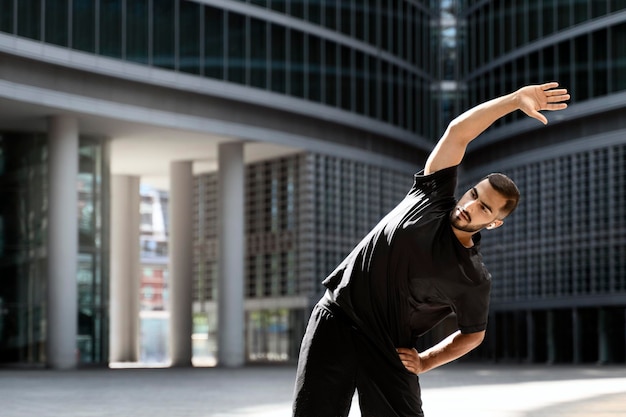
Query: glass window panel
330	14
214	42
373	90
29	18
360	19
509	18
548	17
297	8
236	48
279	56
618	33
258	53
600	76
581	51
534	19
189	38
315	11
371	14
163	33
314	69
383	17
581	10
137	31
279	5
346	78
563	15
346	17
6	16
361	83
297	64
330	71
599	8
617	5
564	72
56	22
387	104
111	28
83	25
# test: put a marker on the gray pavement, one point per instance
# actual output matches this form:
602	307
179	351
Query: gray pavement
265	391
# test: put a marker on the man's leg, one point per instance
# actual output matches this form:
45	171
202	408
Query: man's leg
385	387
325	380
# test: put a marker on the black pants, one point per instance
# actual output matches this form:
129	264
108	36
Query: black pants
335	359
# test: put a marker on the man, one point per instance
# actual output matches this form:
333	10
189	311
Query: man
418	265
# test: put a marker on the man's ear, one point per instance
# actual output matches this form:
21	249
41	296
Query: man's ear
494	224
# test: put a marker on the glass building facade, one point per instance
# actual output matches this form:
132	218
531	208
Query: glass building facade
23	248
558	264
401	67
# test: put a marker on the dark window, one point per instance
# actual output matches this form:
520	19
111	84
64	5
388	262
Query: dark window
56	22
214	42
189	38
137	31
83	25
164	34
29	18
111	28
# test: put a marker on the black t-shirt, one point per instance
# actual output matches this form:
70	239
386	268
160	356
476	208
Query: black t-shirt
410	271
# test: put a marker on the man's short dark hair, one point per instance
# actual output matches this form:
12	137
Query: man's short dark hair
507	188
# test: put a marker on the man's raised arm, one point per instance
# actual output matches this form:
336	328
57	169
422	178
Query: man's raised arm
531	99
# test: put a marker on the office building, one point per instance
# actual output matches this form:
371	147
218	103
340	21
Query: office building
287	121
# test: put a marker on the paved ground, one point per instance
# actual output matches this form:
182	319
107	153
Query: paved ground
263	391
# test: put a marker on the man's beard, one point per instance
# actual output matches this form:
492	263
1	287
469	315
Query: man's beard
468	227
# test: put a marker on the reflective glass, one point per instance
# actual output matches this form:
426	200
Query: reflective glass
618	55
23	211
599	48
314	69
56	22
164	33
29	18
278	64
111	28
331	74
258	53
236	48
296	64
214	42
6	16
84	25
137	29
189	47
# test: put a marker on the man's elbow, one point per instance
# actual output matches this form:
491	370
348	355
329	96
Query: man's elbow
475	339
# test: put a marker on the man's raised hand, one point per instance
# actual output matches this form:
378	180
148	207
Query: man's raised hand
534	98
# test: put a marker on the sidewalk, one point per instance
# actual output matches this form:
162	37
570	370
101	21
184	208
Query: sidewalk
264	391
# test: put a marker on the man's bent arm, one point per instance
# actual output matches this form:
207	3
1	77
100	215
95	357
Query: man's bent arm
450	149
449	349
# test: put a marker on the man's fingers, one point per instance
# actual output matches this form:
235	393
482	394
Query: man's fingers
557	106
550	85
535	114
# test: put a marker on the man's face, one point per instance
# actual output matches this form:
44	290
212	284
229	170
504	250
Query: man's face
478	208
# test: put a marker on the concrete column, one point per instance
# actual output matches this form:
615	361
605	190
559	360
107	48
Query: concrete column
181	262
62	319
231	255
125	269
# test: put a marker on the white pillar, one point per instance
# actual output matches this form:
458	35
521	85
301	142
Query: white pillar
231	255
125	269
181	261
62	319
